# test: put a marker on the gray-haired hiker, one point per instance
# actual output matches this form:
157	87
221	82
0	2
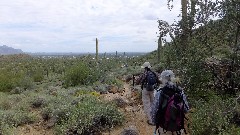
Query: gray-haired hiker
169	107
149	81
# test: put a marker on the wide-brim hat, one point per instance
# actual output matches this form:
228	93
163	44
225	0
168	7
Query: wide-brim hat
146	64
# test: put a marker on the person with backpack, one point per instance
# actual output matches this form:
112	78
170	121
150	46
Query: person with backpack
169	107
149	81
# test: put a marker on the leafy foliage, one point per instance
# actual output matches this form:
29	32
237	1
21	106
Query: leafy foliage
89	116
205	55
213	117
78	75
34	83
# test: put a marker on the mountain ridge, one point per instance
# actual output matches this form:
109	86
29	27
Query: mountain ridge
6	50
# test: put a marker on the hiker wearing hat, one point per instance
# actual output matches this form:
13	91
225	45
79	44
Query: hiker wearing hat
170	106
148	81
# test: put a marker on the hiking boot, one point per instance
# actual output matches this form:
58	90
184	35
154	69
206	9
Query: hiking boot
150	123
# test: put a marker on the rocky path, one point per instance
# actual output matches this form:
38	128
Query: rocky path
135	117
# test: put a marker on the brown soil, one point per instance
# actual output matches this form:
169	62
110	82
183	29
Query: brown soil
34	129
135	117
38	128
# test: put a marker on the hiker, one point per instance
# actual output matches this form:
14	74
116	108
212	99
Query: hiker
149	81
169	107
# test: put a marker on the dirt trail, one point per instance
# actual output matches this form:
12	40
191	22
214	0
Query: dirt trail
34	129
135	116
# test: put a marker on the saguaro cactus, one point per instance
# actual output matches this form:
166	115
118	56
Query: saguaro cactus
159	47
105	55
96	49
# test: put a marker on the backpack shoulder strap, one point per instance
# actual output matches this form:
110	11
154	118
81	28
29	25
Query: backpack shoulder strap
154	73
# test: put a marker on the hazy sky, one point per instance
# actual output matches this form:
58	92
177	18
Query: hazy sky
73	25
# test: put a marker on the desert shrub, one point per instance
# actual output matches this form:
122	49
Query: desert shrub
37	102
120	102
99	87
26	82
115	82
80	112
38	75
85	91
212	117
79	74
56	106
6	129
89	116
16	118
5	102
14	111
8	80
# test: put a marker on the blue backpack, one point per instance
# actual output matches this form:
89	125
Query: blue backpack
151	81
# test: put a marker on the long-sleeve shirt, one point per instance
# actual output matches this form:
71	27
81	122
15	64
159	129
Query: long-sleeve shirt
157	100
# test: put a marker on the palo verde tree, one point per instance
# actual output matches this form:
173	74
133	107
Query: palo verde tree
163	30
207	29
210	64
184	23
230	12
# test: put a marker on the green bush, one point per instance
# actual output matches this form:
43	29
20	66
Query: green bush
100	87
38	75
79	74
26	82
6	81
212	117
80	112
111	80
16	118
14	111
6	129
9	80
89	116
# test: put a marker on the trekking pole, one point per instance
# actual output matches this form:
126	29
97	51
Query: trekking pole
133	80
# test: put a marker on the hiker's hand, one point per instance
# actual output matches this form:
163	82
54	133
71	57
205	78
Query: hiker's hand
138	80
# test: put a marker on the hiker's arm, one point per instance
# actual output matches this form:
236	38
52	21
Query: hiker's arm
155	106
140	79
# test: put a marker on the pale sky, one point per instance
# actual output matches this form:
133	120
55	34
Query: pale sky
73	25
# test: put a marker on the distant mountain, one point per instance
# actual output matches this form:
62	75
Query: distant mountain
5	50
